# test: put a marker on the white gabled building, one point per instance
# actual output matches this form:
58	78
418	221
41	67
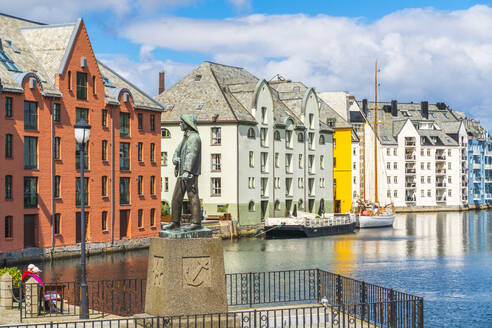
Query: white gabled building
259	158
420	155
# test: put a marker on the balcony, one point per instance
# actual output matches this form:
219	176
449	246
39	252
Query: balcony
410	157
410	170
440	158
488	196
409	143
410	185
441	185
476	197
488	166
440	171
477	166
441	199
488	179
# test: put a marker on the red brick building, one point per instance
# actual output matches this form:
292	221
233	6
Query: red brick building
49	79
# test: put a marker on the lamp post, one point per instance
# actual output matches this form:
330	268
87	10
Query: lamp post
82	133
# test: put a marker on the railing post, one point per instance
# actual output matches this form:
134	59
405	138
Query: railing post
339	290
250	289
421	310
32	297
318	284
392	309
363	299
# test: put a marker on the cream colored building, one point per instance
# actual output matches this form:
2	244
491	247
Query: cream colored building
259	157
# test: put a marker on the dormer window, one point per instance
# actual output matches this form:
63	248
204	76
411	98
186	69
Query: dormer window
405	114
331	122
296	89
263	115
199	107
198	77
8	63
11	45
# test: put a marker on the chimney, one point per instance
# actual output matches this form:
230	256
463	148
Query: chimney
364	106
424	107
161	82
394	108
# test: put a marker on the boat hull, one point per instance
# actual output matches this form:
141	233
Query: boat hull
303	231
375	221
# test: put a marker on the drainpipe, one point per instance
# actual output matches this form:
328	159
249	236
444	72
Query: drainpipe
112	175
237	173
52	163
304	169
273	171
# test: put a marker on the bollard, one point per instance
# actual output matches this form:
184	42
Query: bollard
5	291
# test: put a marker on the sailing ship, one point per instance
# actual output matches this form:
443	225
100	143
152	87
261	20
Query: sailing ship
372	214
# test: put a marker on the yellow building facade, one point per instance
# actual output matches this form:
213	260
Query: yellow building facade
342	170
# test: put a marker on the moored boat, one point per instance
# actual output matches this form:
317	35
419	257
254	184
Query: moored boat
310	225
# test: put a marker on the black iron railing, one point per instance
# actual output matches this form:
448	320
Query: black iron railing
347	298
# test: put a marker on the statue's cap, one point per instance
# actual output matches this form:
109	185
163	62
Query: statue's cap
190	120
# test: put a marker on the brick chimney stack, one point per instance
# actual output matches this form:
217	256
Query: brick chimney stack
161	82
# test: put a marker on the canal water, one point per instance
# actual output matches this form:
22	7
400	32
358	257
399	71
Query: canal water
444	257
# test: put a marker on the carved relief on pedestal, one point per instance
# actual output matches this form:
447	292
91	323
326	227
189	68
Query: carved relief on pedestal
158	271
196	272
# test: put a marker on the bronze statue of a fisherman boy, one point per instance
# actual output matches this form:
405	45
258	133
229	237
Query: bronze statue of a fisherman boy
187	160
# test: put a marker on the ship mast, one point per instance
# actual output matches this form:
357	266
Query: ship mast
376	130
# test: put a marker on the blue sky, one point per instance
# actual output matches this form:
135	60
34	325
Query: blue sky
427	50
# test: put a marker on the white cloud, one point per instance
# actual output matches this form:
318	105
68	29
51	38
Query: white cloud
144	73
241	4
423	53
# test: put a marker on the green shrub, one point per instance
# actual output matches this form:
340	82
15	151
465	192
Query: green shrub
14	272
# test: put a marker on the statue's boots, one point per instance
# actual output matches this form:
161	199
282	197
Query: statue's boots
193	226
171	226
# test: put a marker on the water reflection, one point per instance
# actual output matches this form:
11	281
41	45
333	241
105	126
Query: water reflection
445	257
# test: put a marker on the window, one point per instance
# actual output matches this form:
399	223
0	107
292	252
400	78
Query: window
322	140
264	162
251	206
311	121
104	150
251	183
395	179
78	190
9	225
140	151
166	184
140	121
77	157
57	149
322	182
395	165
428	165
124	156
334	162
165	134
104	186
422	193
300	137
449	192
263	115
8	187
216	187
140	185
288	139
422	179
388	151
104	118
300	183
8	107
124	124
301	161
251	159
263	137
152	152
311	140
30	192
288	162
388	165
30	152
449	165
56	187
124	191
449	179
288	186
163	158
57	224
388	194
322	162
300	204
428	193
152	122
449	152
93	85
152	217
8	146
69	80
56	112
422	165
334	143
421	152
216	136
251	133
81	113
216	162
152	185
389	180
140	218
395	193
30	115
7	62
276	135
395	151
310	163
428	179
428	152
104	220
264	185
81	86
277	160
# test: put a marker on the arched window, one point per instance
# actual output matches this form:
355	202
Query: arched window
251	133
276	136
277	205
251	206
300	204
300	137
165	133
321	139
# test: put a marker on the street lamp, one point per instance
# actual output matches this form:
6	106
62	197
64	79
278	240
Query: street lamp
82	133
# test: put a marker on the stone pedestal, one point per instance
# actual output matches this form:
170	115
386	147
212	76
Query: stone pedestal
185	276
32	297
5	294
